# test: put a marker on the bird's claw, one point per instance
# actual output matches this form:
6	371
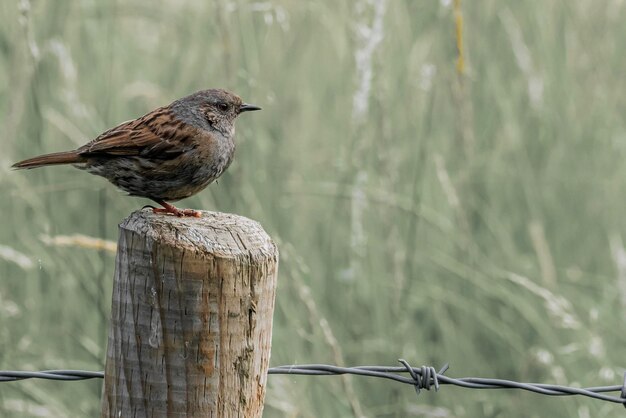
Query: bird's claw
178	212
190	212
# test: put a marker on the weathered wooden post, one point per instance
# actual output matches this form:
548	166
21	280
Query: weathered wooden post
191	319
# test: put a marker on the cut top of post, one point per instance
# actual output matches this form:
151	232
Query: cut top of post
220	234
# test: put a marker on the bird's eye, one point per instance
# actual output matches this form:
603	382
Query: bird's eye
222	106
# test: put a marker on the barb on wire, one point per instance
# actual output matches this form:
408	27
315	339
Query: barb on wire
420	377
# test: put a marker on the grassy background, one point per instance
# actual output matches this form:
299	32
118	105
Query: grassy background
472	217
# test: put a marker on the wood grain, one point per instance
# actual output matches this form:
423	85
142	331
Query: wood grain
191	318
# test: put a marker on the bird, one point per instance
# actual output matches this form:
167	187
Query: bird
170	153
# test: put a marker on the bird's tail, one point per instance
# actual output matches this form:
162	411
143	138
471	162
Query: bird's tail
66	157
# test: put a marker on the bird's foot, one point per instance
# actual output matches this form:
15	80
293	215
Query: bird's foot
179	212
171	209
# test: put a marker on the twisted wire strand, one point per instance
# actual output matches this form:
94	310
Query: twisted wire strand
423	377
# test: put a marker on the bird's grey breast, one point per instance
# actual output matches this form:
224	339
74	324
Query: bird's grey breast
215	155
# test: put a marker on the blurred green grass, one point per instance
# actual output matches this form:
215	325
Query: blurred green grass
472	219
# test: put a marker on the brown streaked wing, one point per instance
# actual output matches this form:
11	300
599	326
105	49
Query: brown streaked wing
153	135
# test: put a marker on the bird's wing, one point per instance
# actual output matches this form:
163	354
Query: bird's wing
155	135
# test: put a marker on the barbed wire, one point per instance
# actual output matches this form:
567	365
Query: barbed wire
424	377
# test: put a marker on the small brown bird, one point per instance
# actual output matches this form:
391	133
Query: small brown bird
169	154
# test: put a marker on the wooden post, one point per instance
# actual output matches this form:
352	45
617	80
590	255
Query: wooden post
191	319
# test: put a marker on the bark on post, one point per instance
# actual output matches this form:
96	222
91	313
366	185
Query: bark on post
191	319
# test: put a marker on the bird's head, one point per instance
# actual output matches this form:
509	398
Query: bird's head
216	108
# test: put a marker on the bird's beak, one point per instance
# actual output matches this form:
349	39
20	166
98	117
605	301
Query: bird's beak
246	107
